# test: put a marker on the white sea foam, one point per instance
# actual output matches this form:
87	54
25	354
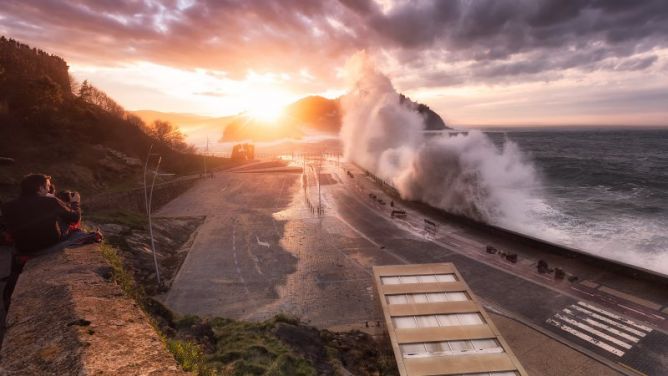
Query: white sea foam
467	174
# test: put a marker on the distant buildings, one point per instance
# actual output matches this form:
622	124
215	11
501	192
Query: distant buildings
243	152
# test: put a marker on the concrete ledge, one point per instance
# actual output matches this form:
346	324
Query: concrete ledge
68	318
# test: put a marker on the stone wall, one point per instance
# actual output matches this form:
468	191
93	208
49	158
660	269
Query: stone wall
134	199
68	318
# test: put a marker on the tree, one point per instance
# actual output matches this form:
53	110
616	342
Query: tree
170	135
85	91
90	94
74	84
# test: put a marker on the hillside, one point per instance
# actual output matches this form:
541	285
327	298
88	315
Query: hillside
196	128
77	134
313	114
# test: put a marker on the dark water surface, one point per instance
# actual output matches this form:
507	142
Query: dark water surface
606	190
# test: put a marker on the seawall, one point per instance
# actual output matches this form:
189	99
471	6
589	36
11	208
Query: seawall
68	317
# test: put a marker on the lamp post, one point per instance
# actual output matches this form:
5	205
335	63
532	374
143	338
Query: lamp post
148	156
150	224
148	199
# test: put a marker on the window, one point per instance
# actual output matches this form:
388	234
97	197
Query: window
469	318
457	296
409	279
404	322
414	350
432	321
397	299
450	348
430	297
427	321
428	278
503	373
460	346
390	280
418	298
446	278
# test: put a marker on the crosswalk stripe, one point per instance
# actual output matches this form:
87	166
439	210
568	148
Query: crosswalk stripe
586	337
605	330
604	327
609	321
616	317
591	330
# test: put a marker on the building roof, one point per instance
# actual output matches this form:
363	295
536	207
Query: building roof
436	325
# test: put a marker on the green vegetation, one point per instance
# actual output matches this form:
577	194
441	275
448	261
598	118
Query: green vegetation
278	346
130	218
244	348
120	274
75	132
189	355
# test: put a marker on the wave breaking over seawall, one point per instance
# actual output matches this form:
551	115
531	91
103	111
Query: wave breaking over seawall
465	174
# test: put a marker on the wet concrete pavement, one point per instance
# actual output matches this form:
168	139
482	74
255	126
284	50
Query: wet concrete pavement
263	249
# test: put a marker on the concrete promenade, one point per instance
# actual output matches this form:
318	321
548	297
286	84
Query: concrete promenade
263	249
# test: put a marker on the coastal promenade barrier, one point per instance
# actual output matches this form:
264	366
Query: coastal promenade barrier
569	252
68	317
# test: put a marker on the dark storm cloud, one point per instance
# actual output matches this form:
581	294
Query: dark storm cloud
227	35
551	34
499	39
514	26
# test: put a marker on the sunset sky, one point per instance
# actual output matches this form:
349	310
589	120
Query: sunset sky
497	62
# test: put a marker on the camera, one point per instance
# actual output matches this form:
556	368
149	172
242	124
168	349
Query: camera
66	196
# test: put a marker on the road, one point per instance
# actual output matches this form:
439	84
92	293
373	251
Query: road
264	248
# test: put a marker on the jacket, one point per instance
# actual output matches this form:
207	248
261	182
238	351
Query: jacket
33	221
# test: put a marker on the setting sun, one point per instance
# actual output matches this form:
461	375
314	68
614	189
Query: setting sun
267	112
265	104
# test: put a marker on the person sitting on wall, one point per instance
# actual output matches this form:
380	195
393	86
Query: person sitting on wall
38	220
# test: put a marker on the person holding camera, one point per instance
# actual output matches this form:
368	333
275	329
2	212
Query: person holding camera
38	219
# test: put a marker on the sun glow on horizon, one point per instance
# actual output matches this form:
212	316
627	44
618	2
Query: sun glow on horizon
268	112
267	106
203	92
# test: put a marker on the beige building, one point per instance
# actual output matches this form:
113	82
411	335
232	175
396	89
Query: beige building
437	327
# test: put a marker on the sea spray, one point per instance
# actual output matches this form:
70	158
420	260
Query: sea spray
466	174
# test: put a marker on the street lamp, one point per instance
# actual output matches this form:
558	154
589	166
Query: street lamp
148	199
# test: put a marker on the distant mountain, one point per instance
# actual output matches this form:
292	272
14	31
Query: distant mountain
308	115
317	113
432	120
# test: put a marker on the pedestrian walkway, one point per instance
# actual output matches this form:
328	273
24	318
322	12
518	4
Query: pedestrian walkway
605	330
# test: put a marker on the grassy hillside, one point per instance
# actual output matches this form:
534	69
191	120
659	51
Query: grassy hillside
77	134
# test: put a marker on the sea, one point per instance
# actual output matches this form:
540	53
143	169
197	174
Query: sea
604	191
